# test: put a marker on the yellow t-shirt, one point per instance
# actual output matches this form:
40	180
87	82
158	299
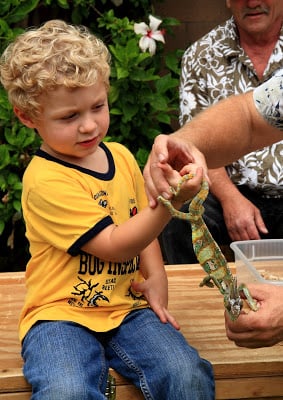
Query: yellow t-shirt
65	206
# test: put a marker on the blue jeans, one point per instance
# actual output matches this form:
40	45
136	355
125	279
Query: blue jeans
66	361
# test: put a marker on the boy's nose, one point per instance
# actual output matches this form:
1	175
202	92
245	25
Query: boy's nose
87	125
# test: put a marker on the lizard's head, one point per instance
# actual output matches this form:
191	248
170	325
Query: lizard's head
232	300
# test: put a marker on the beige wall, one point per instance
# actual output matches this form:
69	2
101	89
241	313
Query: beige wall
197	17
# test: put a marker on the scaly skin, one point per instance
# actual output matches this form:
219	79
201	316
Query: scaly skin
209	254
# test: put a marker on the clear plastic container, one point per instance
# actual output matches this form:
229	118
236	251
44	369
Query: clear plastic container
259	261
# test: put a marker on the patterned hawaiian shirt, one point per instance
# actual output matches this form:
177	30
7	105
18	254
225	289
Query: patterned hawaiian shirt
216	67
268	99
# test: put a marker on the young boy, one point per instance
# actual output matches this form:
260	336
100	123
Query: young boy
95	267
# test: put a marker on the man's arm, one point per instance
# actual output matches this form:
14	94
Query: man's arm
223	133
228	130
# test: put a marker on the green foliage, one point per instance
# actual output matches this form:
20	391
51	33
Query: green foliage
17	144
143	97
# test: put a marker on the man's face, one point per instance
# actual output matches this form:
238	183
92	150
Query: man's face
256	16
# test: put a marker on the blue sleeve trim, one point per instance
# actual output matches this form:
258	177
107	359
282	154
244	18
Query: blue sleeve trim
75	249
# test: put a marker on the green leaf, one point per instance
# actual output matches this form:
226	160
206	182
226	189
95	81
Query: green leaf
144	76
165	83
2	226
4	27
172	62
18	186
169	21
2	183
164	118
142	156
4	156
12	179
116	111
17	205
121	72
63	4
114	93
159	103
129	110
21	11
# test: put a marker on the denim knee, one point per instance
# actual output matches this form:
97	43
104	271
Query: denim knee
189	377
158	360
63	388
67	387
63	360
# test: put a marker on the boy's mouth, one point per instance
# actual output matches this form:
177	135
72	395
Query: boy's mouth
90	142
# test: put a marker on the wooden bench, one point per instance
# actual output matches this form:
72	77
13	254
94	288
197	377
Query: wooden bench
239	373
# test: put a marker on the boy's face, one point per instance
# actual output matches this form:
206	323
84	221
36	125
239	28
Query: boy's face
73	121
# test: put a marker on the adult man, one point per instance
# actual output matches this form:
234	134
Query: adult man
246	197
254	120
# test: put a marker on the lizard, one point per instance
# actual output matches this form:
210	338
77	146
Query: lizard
209	254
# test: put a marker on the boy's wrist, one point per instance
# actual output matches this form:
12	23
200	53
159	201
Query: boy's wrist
177	204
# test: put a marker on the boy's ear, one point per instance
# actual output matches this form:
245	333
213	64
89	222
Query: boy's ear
26	120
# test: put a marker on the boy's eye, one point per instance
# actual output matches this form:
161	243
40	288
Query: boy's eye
97	106
69	116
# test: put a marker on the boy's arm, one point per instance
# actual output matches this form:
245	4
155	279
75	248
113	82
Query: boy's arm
123	242
155	286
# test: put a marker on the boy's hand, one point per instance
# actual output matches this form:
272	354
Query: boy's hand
190	187
155	290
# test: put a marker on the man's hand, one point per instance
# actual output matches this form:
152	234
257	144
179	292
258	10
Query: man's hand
243	219
264	327
177	153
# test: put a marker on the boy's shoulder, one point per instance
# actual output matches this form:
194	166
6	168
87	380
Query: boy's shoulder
118	148
123	157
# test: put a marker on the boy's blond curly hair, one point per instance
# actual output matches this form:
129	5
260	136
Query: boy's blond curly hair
57	53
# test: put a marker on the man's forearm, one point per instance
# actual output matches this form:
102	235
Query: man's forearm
228	130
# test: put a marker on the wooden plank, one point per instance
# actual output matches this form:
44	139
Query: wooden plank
246	388
12	378
122	393
240	373
243	388
15	396
200	312
128	393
